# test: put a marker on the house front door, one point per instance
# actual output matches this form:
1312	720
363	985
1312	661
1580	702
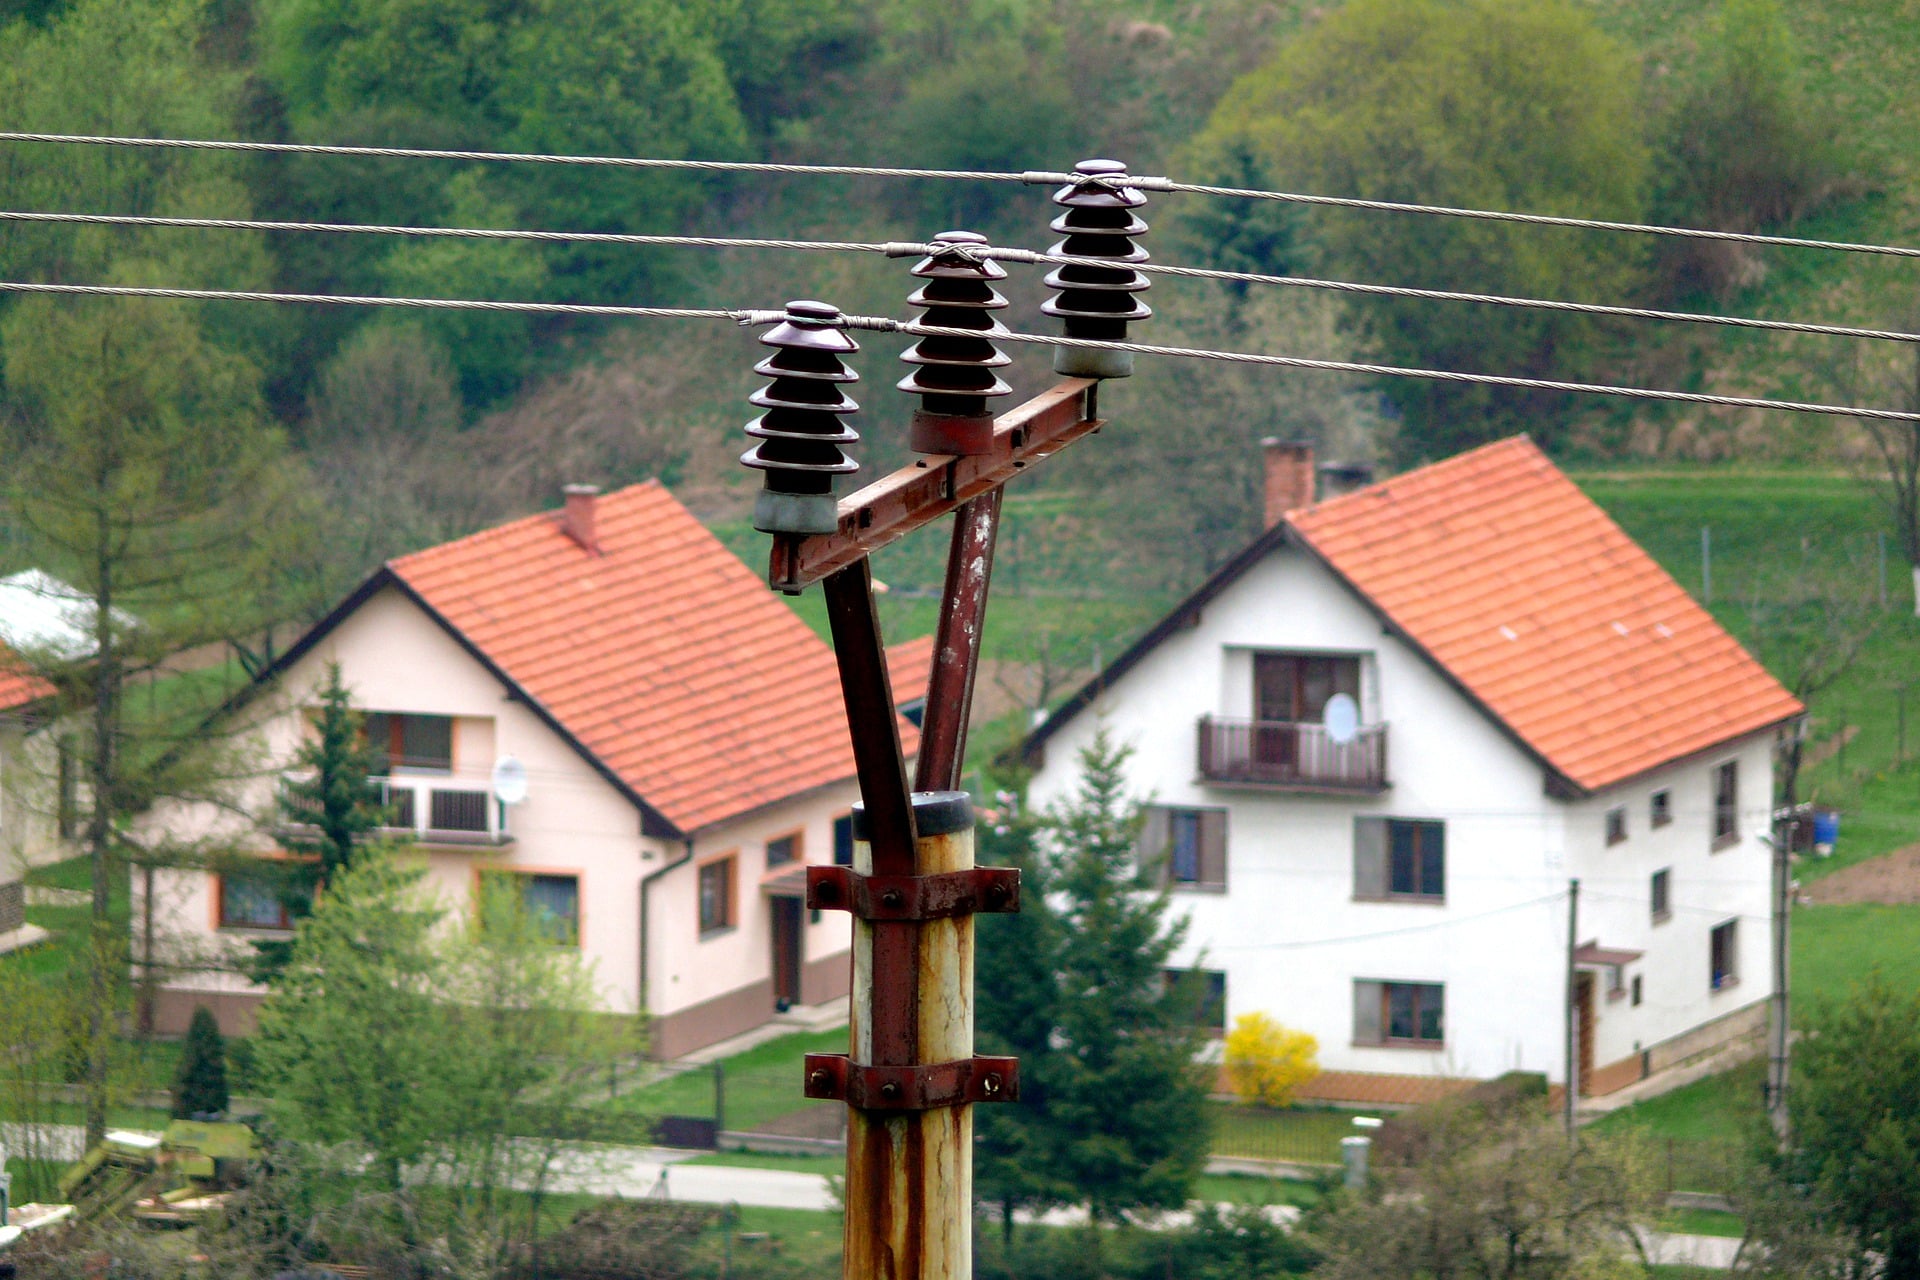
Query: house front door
1583	1015
786	952
1290	690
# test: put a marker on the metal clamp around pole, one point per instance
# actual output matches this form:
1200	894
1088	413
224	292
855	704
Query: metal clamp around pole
922	1088
935	897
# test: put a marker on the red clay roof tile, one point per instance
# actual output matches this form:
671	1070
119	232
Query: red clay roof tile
1523	589
663	655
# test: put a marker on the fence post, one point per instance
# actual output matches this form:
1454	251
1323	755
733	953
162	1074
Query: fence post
1353	1155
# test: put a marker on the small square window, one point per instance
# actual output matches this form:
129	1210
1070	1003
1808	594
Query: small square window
1399	1013
1617	824
1659	895
843	840
783	850
716	895
1208	987
1188	846
1660	809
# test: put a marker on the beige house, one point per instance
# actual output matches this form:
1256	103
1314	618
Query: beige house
605	704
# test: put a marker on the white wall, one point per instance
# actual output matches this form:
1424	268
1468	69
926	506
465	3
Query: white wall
573	822
1288	932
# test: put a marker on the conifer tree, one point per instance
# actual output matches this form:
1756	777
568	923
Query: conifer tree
1124	1092
328	793
200	1085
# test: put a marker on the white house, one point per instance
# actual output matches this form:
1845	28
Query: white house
1381	742
678	731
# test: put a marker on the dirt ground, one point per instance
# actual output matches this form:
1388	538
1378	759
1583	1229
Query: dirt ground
1894	877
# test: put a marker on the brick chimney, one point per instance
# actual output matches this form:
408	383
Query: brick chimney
1289	477
577	518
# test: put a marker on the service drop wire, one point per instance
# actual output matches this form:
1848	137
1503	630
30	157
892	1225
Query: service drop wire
885	324
1031	177
914	249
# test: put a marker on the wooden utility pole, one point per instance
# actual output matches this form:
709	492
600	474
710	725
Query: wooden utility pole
1779	1026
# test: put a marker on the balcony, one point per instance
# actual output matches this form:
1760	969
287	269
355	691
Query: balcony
440	810
1290	756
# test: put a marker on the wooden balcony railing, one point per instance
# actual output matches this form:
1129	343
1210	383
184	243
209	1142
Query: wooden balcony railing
1292	755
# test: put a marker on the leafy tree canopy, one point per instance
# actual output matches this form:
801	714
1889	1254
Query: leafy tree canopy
1496	104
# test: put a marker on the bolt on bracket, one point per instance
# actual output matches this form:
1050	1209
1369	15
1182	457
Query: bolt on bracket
935	897
835	1077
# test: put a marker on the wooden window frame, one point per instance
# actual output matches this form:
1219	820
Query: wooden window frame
579	937
798	839
1660	808
1374	859
1660	895
220	921
1157	846
1382	998
393	757
727	864
1726	807
1213	997
1718	979
1616	820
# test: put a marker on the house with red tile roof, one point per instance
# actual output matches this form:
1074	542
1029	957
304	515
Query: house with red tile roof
1378	745
22	694
606	705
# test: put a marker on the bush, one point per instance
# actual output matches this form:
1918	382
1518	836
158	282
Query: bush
1267	1062
200	1085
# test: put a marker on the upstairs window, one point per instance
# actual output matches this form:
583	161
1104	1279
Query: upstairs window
1295	687
1726	804
1207	988
783	849
843	840
1188	846
1661	895
408	741
1660	809
1399	858
1617	824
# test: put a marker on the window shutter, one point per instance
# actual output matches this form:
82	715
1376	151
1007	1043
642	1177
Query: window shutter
1370	858
1213	847
1150	855
1366	1012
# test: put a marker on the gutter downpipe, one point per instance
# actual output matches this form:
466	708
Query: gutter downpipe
646	883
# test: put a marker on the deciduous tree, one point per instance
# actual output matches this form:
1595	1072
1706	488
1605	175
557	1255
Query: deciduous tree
1496	104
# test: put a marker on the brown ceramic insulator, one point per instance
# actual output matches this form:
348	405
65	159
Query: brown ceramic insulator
954	376
801	432
1097	302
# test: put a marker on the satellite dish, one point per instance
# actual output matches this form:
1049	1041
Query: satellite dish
509	780
1342	718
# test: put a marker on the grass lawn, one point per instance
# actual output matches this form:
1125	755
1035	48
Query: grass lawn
799	1237
1307	1134
1720	1108
1703	1222
1239	1188
761	1084
1835	946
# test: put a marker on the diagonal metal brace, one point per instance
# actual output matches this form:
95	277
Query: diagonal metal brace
935	897
939	1084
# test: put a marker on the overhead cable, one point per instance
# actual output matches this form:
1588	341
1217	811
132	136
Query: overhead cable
527	157
885	324
352	300
913	249
466	233
1031	177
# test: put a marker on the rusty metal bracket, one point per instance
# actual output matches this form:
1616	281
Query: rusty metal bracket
935	897
836	1077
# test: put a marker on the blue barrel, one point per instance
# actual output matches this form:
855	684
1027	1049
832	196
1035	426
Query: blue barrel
1826	828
